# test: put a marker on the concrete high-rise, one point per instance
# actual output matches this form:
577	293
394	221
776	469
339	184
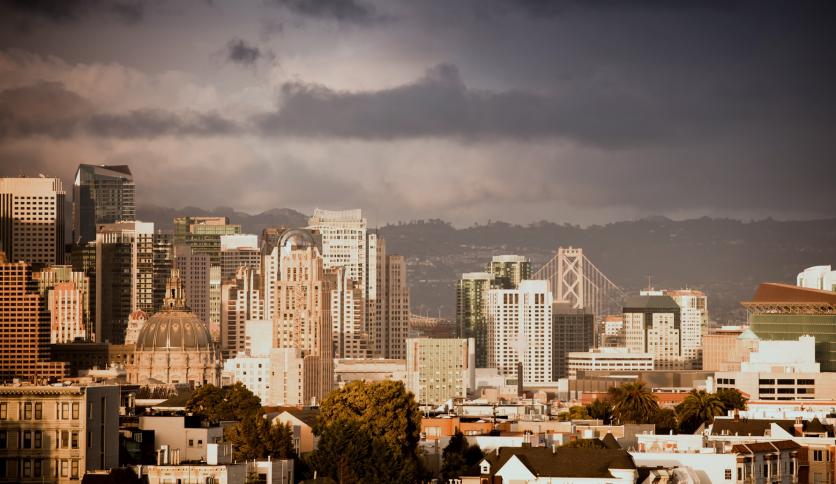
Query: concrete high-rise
520	331
440	369
32	220
652	325
237	251
124	276
240	302
507	271
347	316
397	308
163	263
693	317
194	272
302	358
24	324
343	242
68	295
101	195
471	317
572	330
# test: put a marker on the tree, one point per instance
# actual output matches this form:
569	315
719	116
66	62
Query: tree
255	438
601	410
459	458
584	444
665	421
698	408
732	399
234	402
633	402
347	452
383	411
578	412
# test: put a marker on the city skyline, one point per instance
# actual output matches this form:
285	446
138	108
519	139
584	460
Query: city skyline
499	110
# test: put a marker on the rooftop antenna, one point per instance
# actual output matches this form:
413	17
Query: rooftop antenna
649	285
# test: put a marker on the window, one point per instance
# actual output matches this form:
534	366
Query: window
27	411
191	443
739	474
38	439
27	439
728	474
200	443
766	382
784	381
65	468
792	467
75	440
39	411
4	411
766	470
65	439
65	412
817	455
27	468
38	468
75	410
74	470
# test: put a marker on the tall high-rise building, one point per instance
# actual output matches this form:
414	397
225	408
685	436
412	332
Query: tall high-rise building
203	235
520	331
397	308
101	195
471	317
194	272
240	302
237	251
163	263
343	242
572	330
347	308
24	324
32	220
652	325
68	302
302	359
693	317
507	271
124	276
440	369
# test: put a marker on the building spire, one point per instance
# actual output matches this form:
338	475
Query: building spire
174	298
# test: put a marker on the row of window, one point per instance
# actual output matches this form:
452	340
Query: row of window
39	468
34	439
35	411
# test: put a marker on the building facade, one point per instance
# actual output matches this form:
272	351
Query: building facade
438	370
32	220
507	271
101	195
520	331
817	277
693	318
607	359
240	302
471	317
56	434
572	330
652	325
725	348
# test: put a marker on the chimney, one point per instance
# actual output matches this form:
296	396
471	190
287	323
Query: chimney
798	427
736	415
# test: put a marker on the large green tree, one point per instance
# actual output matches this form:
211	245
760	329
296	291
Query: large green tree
383	411
732	399
255	438
699	407
665	421
459	458
633	402
601	410
348	453
234	402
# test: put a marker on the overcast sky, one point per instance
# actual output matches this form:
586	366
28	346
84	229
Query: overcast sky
466	110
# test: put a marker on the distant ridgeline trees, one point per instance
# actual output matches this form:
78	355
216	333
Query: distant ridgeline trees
252	437
635	403
368	432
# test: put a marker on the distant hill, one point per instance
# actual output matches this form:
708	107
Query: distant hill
163	218
725	258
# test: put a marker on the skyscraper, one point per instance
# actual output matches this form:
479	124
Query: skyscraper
572	330
237	251
439	369
240	302
32	220
101	195
124	276
24	324
343	242
397	308
194	272
508	270
302	358
693	316
347	308
652	325
520	331
68	295
471	317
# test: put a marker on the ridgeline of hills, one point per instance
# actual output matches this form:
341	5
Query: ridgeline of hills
725	258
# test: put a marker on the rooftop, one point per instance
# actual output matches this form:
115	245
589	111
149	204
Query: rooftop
564	462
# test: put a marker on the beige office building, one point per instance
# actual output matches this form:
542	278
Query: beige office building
725	348
438	370
56	434
32	220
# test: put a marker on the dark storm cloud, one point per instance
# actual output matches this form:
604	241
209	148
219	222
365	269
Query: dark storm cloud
239	51
340	10
48	109
63	11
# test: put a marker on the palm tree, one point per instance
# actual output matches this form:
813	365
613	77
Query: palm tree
700	407
633	402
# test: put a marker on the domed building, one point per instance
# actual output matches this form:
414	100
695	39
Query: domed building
174	346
